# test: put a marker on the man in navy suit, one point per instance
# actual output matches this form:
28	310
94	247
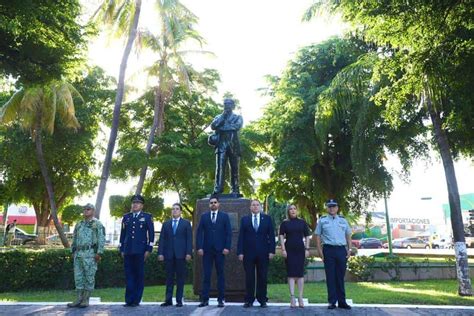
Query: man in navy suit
213	242
255	248
136	243
175	247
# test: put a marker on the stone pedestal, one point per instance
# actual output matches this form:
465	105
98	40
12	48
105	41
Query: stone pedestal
236	208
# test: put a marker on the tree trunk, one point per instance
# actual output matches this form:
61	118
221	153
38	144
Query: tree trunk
4	219
116	114
47	180
462	268
156	130
42	221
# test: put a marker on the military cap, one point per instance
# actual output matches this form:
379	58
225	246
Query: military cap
138	198
331	202
89	205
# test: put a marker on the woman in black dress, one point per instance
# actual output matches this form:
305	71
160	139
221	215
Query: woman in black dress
294	240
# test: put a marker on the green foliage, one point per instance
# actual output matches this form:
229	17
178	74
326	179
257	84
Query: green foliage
277	211
425	47
71	213
327	137
70	152
181	160
361	267
120	205
53	269
41	40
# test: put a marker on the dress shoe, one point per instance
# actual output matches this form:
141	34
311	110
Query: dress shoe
166	304
263	305
220	304
179	304
135	305
127	305
203	304
332	306
344	306
247	305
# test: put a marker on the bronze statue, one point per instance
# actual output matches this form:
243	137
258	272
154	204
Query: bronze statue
226	142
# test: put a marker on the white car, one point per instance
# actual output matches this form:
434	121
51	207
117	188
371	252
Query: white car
443	243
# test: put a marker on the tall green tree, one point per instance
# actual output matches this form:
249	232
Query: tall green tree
120	16
177	28
428	51
35	108
322	149
41	40
68	155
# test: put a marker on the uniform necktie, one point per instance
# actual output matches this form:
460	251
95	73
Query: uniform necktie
255	223
134	215
213	217
175	222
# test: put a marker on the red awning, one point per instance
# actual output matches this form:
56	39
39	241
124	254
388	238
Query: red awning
20	220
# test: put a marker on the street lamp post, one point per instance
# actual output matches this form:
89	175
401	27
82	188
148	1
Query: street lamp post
389	229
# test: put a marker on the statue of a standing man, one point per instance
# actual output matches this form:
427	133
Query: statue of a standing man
227	145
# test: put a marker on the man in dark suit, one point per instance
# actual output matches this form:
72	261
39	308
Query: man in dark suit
175	247
255	248
213	242
136	243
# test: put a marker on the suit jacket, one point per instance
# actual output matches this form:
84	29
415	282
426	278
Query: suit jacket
260	243
214	236
176	245
137	234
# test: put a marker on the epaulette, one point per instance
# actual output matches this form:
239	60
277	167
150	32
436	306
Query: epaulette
341	216
323	216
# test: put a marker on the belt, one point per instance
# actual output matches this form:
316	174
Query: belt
334	246
80	248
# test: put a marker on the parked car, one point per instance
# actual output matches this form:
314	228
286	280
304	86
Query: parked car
21	237
443	243
410	242
370	243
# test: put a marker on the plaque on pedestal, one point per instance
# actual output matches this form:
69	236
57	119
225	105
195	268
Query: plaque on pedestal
236	208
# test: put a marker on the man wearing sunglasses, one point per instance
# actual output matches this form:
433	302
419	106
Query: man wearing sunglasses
213	242
87	247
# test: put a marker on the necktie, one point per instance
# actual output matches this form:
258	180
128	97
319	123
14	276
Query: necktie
175	225
255	223
135	215
213	217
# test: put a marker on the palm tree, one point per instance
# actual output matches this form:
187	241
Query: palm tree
122	15
177	27
35	108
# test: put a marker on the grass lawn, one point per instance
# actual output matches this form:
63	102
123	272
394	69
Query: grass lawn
432	292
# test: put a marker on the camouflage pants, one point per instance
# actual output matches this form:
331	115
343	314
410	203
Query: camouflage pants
85	268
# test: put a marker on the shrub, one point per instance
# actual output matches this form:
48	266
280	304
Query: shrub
361	267
53	269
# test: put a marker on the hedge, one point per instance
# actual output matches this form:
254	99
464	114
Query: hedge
53	269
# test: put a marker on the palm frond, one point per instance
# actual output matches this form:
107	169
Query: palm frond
8	112
316	9
49	108
65	105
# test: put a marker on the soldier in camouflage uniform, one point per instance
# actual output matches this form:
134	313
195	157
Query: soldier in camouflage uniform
87	246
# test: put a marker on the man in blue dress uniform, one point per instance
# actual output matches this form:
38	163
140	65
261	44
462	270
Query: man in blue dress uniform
136	243
213	242
334	232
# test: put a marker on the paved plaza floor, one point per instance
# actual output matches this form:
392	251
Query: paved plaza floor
230	309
